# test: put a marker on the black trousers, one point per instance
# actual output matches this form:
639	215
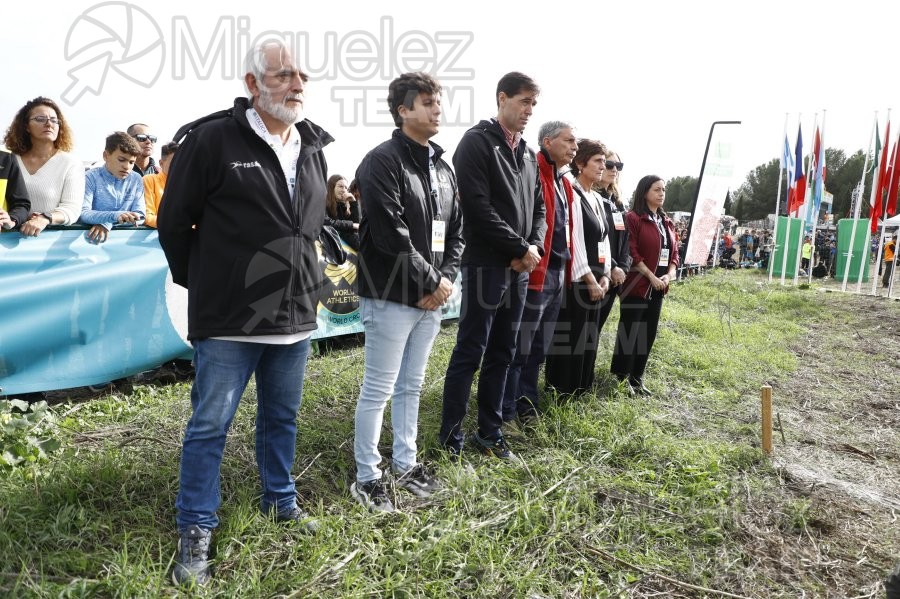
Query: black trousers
573	353
638	323
606	306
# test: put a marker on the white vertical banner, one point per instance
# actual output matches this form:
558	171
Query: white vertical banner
715	179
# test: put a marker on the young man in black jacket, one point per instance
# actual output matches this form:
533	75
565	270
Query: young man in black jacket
242	213
410	247
504	227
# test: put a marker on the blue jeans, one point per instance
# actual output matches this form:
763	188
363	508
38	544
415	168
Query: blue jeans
398	342
492	302
223	369
535	335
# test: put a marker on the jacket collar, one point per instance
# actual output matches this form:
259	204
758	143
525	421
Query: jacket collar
312	136
545	163
419	152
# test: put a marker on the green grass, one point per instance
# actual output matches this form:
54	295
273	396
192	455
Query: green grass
661	483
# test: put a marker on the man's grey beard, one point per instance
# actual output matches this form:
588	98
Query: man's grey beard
279	111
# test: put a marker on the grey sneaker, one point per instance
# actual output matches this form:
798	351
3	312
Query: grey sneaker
418	481
296	514
192	562
372	496
495	447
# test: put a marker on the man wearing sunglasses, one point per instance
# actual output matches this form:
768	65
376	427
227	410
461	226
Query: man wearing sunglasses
144	165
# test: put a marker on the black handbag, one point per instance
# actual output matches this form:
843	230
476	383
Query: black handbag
332	250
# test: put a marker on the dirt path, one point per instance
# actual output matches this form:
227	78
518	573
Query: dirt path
841	419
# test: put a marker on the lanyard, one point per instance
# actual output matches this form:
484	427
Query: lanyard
287	153
661	228
432	173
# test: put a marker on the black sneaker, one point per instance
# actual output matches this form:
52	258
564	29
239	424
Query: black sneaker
418	481
453	454
495	448
296	514
372	496
192	562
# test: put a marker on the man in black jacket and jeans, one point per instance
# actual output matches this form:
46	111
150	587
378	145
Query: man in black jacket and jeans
242	213
504	227
410	246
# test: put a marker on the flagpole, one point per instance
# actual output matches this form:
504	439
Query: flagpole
876	192
803	218
778	204
815	204
856	211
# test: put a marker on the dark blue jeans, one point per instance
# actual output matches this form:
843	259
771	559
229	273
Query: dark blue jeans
535	335
222	373
492	302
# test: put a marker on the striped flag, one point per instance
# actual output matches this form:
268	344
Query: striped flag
798	183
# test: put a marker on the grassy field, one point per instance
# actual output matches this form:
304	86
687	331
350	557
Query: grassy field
619	496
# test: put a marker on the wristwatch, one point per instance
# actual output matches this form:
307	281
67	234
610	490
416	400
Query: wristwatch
48	216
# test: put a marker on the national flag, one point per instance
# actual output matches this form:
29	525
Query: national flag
787	163
895	183
798	184
878	181
819	152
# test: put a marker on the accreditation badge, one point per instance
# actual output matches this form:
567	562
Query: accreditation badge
438	235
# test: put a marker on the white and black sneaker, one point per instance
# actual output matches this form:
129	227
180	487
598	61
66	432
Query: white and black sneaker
418	481
372	495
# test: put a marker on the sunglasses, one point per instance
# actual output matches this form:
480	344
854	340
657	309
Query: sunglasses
610	164
142	137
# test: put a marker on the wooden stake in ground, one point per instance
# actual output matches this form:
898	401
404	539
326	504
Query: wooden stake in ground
766	396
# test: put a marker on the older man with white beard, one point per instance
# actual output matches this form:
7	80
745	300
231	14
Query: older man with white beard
242	213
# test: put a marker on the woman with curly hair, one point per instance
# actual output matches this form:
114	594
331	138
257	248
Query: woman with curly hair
41	139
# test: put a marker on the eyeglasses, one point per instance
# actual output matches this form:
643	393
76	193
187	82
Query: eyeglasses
142	137
42	119
611	163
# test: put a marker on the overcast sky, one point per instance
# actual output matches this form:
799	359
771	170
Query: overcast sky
646	78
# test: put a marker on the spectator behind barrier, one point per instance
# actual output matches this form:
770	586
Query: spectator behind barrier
155	184
15	207
144	164
40	138
342	210
113	192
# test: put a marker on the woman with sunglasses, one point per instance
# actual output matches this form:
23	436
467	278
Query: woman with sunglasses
41	140
570	364
608	188
654	258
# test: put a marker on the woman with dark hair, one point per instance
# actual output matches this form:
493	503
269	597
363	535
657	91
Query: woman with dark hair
342	210
41	139
608	188
654	259
570	363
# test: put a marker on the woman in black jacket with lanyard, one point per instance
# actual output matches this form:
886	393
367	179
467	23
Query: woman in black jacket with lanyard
570	364
608	187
